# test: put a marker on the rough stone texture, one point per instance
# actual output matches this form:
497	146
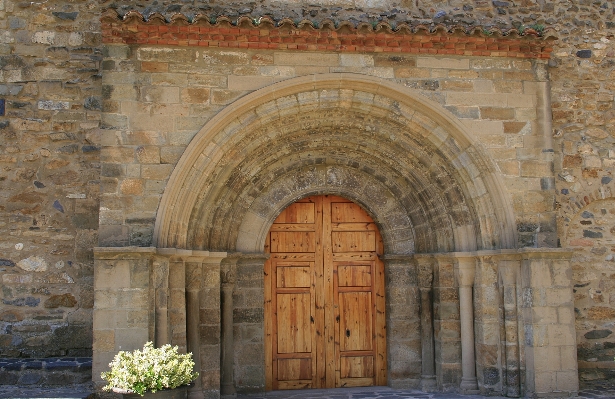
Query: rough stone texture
594	286
49	177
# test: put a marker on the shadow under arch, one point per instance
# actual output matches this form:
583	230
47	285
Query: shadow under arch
347	134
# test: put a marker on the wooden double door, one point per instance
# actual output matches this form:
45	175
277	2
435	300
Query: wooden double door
324	297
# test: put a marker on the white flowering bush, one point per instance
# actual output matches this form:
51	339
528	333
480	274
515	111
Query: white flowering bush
151	369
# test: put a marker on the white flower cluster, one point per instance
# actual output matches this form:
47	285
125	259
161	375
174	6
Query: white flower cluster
151	369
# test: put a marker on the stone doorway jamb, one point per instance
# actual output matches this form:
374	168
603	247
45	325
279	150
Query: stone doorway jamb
402	316
428	367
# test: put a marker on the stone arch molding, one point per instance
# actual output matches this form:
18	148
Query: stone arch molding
406	160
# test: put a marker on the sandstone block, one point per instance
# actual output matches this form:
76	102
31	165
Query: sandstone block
207	80
312	59
446	63
166	54
483	86
156	172
132	186
409	73
217	57
357	60
169	79
195	95
497	113
484	99
112	275
154	66
224	97
148	154
146	122
241	83
160	94
129	339
536	168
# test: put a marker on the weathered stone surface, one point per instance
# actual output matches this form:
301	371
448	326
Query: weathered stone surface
33	264
598	334
64	300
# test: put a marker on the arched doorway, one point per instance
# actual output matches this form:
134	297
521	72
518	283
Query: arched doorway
324	297
414	167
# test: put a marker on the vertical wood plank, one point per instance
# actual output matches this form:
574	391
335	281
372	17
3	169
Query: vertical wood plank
268	323
319	354
380	295
331	308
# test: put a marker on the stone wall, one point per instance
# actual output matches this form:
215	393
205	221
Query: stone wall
51	80
50	83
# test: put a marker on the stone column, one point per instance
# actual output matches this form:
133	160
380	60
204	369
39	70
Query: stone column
428	370
227	279
160	270
403	321
193	278
465	268
509	275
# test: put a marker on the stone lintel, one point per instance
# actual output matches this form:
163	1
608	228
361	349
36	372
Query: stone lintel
123	252
141	252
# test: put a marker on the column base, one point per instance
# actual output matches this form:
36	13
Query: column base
469	386
428	383
228	391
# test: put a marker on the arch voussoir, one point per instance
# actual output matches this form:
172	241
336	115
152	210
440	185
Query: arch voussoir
408	162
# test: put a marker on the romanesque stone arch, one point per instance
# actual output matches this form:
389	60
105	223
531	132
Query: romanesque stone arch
412	165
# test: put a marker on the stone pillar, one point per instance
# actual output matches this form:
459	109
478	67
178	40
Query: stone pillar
447	331
123	294
547	311
209	327
465	268
177	302
509	275
248	324
428	367
403	322
193	280
160	270
227	279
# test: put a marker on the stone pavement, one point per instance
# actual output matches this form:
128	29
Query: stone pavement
389	393
85	391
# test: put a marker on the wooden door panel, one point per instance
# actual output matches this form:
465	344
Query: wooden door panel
348	212
294	326
355	321
299	212
293	276
324	297
293	241
354	276
294	369
353	241
357	367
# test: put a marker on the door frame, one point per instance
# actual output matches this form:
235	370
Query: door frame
326	304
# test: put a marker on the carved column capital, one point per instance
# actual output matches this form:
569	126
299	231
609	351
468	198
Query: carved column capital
465	269
425	271
509	271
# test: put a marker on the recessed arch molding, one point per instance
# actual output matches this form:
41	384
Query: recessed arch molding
413	166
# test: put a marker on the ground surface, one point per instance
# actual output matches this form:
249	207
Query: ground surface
84	391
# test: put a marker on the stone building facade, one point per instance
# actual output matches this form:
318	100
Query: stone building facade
146	150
